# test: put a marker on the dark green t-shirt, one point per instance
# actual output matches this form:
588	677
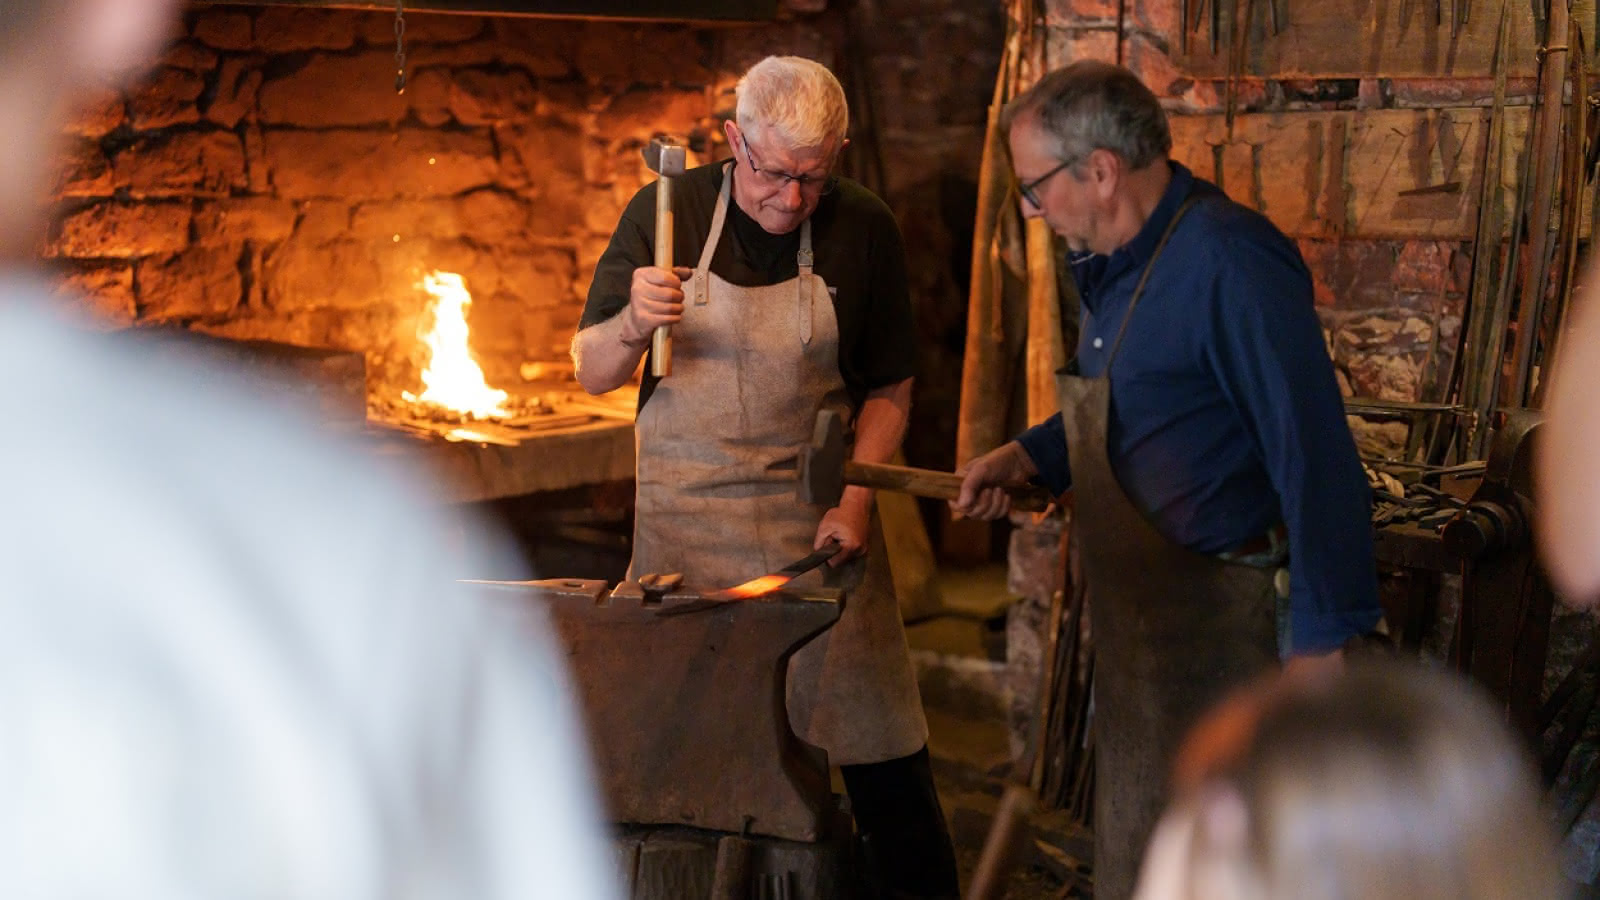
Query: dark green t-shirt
855	243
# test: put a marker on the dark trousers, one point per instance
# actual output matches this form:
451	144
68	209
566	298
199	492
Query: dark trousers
902	829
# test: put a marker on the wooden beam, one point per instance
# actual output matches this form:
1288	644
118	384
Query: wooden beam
644	10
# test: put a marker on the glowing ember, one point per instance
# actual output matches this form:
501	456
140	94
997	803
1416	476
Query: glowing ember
468	434
452	378
755	587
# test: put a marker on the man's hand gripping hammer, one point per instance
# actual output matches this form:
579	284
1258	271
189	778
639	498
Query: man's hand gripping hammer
666	159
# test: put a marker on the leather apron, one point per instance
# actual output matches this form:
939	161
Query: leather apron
751	368
1174	630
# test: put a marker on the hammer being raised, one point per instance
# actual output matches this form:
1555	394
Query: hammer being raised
666	159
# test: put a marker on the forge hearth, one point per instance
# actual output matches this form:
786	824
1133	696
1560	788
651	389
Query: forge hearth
267	184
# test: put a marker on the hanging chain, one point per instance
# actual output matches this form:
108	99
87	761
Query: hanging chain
399	46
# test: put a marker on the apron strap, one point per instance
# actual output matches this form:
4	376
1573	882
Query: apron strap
702	269
803	261
1138	290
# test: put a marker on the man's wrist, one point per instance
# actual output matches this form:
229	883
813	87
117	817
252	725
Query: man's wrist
1025	466
630	336
856	498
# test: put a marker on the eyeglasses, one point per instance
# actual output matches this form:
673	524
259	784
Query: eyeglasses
1030	189
772	179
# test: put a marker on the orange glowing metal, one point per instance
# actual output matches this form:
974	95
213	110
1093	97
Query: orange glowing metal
755	587
452	378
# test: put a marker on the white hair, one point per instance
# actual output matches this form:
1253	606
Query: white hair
795	99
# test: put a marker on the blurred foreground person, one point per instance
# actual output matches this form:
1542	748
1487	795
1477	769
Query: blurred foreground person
1567	477
1391	782
233	663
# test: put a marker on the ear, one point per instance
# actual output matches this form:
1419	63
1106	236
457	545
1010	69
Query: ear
1104	171
730	130
107	41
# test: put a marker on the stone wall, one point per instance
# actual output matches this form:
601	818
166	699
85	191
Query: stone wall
266	180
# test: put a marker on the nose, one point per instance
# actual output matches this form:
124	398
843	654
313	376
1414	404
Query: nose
791	196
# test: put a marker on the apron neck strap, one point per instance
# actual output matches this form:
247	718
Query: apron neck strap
1138	290
718	218
803	258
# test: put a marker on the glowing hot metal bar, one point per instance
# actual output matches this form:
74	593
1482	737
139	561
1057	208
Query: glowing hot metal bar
755	587
759	587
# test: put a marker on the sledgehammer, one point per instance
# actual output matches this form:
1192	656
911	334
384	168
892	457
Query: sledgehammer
666	159
823	471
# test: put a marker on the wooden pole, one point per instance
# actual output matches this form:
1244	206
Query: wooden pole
982	423
1547	153
661	338
1573	162
981	426
1046	350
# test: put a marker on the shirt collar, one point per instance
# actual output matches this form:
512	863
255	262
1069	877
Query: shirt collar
1143	246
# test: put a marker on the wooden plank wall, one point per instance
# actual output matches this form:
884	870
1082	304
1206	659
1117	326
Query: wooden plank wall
1390	174
1376	38
1360	129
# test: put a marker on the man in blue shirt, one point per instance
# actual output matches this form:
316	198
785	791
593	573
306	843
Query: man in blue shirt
1203	436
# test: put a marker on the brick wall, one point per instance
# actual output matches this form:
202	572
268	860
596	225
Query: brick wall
266	181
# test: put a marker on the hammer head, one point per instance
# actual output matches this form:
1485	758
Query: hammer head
664	157
821	463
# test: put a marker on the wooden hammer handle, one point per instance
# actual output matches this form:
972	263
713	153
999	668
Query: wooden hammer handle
661	338
939	485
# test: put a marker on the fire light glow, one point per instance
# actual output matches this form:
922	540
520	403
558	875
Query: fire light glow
452	378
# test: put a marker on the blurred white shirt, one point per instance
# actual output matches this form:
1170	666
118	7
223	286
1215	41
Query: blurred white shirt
234	662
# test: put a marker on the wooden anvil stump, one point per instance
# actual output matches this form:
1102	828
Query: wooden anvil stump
686	713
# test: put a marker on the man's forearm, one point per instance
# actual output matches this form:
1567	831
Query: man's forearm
880	428
604	357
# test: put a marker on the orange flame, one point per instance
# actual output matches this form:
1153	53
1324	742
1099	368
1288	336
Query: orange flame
756	587
453	379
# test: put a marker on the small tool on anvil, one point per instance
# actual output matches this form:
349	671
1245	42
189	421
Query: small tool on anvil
823	470
758	587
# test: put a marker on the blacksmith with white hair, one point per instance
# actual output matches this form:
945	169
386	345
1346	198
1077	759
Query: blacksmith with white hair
789	296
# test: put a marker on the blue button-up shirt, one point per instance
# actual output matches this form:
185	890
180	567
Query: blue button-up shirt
1225	416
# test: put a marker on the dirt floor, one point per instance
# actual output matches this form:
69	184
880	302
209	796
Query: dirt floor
969	744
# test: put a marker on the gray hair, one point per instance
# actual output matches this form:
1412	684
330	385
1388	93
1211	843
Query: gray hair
1093	105
799	101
